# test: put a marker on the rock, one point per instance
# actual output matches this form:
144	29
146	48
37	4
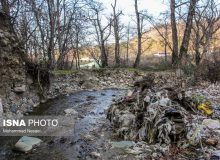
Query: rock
147	99
20	89
121	81
36	105
130	92
89	137
122	144
43	101
95	155
154	155
135	150
70	111
25	144
63	140
30	103
90	98
13	109
69	89
29	80
179	73
211	124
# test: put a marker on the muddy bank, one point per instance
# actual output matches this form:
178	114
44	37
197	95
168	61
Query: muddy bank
26	98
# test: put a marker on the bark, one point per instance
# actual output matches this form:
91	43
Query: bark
50	50
175	50
5	7
116	34
197	46
127	45
187	32
139	49
100	34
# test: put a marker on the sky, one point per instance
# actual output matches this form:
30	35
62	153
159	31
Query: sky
153	7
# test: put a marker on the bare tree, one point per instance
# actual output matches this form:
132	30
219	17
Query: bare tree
52	19
102	33
179	55
116	33
206	24
162	27
187	33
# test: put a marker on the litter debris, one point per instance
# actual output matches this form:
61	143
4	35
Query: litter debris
165	116
211	124
205	107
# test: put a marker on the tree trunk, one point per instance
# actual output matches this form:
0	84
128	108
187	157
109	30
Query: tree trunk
127	45
187	32
104	58
198	57
5	7
116	34
175	52
165	51
139	49
50	50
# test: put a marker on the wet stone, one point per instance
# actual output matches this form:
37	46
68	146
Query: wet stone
26	144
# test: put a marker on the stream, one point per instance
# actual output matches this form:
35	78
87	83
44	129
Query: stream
90	133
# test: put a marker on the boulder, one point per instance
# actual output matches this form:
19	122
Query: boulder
25	144
20	89
70	111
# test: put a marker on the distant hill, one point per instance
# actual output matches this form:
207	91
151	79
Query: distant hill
152	44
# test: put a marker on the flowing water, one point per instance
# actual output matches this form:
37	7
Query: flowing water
91	107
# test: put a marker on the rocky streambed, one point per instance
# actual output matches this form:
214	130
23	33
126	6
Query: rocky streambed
89	138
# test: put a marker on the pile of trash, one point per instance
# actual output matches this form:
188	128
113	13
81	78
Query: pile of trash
166	116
